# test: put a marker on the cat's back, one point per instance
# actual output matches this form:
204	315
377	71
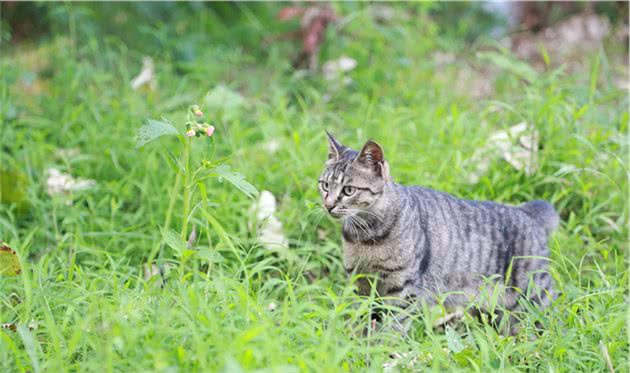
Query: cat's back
474	236
454	220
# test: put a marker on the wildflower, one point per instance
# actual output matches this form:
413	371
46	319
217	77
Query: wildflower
195	110
209	131
190	133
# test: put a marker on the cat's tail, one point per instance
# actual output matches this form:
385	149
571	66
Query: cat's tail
544	213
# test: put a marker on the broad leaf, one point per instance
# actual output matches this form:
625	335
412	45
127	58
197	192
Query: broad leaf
174	241
237	180
9	262
210	255
453	340
152	130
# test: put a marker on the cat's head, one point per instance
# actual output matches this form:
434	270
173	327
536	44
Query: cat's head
352	181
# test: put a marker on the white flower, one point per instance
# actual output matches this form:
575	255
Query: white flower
60	183
333	69
270	232
146	75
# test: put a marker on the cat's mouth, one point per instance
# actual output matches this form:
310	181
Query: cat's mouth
336	214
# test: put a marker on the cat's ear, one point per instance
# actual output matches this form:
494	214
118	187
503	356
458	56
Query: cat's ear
334	147
371	154
372	157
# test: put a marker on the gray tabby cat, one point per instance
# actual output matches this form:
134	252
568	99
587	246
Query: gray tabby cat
421	243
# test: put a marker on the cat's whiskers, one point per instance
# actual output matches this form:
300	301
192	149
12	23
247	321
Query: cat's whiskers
363	225
369	213
360	224
351	222
316	215
350	225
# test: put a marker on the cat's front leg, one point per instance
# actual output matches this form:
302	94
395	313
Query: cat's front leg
400	311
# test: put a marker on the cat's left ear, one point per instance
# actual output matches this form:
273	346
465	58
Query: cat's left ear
334	147
372	157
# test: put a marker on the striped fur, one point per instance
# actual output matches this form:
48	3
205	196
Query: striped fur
420	243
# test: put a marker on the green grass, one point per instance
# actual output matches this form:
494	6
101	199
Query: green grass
82	281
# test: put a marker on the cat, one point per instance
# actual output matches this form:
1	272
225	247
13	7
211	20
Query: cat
420	243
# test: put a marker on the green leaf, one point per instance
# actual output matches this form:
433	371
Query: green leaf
9	261
210	255
237	180
13	187
453	340
174	241
154	129
225	238
172	160
187	253
513	65
30	345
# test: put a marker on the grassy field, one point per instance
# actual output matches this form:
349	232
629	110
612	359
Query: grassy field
83	302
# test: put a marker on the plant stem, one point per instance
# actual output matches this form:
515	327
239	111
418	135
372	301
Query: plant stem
187	173
169	214
171	203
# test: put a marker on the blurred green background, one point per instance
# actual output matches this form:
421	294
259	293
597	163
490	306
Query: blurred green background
433	82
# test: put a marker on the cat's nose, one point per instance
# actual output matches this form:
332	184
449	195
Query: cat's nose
329	204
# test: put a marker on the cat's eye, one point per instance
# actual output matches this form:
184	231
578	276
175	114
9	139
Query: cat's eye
349	190
324	186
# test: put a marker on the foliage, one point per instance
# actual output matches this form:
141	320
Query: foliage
82	301
152	130
9	262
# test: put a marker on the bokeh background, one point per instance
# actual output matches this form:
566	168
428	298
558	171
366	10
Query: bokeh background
503	101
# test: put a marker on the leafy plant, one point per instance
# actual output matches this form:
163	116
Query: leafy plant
190	174
230	304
